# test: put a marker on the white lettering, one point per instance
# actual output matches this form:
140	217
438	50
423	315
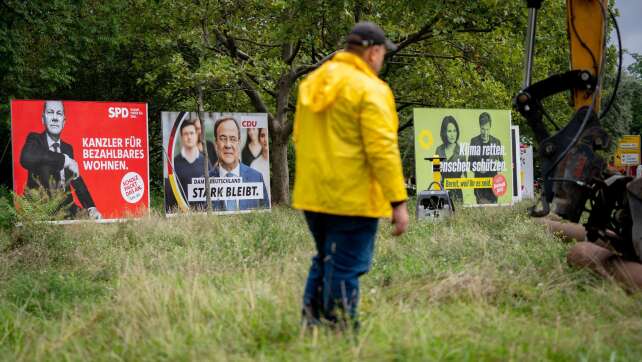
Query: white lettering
104	165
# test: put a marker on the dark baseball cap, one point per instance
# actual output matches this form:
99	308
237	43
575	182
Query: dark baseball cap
366	34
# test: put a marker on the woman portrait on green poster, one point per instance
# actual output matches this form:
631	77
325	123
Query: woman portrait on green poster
450	150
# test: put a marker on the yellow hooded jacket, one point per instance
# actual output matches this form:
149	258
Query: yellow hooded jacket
345	136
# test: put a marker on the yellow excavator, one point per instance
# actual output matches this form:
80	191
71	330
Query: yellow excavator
577	186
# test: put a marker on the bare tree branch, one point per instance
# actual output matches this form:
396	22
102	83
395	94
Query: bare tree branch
305	69
358	9
476	30
426	33
206	34
313	52
405	104
254	95
422	34
406	125
257	43
254	79
230	44
293	53
245	80
429	55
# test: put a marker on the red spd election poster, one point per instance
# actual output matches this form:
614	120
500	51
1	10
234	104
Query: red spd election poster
89	158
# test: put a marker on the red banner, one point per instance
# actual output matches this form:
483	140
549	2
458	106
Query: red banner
94	152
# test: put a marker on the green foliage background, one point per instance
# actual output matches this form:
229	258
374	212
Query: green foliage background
455	54
487	285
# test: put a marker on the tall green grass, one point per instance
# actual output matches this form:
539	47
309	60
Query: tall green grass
487	285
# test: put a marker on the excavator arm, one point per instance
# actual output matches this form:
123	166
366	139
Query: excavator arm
586	34
576	180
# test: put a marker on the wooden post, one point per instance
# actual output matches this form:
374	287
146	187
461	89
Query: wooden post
206	166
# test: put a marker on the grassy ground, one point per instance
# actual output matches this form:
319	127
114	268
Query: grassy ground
488	285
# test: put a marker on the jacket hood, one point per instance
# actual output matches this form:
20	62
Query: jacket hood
320	89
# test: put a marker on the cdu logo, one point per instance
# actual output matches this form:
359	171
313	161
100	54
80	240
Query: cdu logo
249	124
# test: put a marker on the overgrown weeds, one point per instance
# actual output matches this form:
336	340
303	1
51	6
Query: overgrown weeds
487	285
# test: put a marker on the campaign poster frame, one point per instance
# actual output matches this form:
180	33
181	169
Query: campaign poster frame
91	157
477	169
244	188
527	170
517	165
628	151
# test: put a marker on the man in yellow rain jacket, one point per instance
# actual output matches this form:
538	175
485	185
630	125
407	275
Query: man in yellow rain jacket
348	171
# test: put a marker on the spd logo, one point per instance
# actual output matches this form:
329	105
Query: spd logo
118	112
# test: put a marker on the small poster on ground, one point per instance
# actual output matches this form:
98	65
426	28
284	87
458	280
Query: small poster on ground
517	165
527	174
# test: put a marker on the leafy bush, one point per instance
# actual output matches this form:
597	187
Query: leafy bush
7	211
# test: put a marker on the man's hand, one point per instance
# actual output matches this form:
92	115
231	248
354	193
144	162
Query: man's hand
73	167
400	218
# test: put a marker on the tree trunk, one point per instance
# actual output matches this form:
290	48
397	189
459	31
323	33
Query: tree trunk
281	130
280	178
206	170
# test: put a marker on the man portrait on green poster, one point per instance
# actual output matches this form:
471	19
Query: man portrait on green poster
482	142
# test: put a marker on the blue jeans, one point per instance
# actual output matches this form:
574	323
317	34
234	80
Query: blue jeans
344	245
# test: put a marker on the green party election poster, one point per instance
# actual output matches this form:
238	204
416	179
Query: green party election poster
475	148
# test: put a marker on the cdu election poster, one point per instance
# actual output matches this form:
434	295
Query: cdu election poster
90	159
475	147
231	148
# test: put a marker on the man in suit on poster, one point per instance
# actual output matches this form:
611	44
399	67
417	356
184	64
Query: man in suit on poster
50	163
227	135
485	195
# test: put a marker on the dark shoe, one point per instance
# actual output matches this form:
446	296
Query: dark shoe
341	322
310	316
